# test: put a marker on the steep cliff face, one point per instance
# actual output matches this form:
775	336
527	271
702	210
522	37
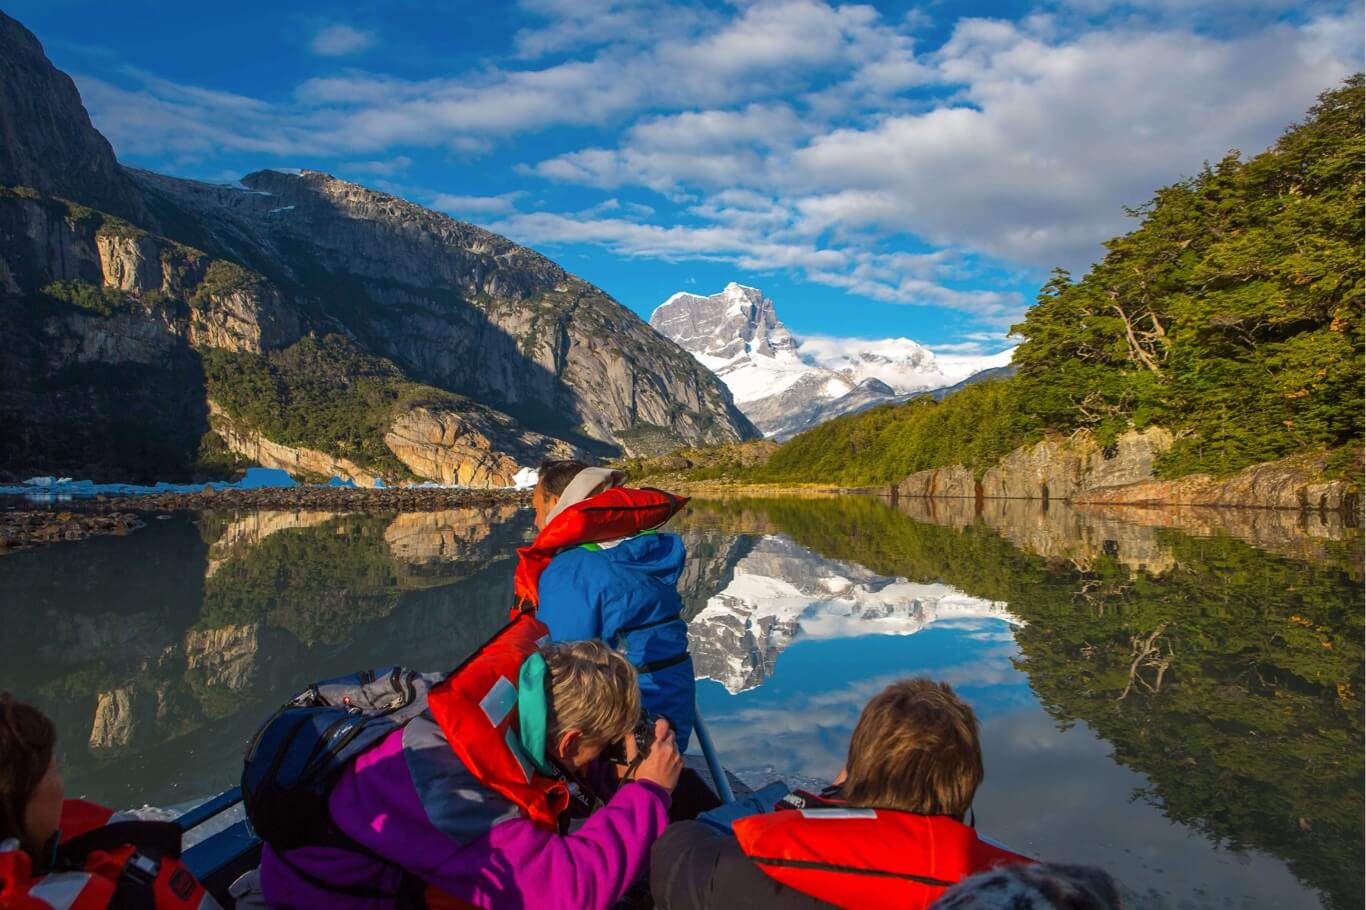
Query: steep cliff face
113	282
460	308
46	140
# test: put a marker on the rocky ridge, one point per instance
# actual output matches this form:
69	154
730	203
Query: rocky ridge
114	282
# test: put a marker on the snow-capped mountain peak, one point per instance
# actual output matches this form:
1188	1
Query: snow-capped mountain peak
784	385
735	323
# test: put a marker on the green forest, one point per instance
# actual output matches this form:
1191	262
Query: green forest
1232	315
322	393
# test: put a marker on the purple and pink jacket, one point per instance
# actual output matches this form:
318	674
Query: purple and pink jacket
412	802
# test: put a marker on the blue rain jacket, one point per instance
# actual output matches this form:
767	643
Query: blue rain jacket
626	594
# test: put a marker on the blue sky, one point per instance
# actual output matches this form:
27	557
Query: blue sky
896	169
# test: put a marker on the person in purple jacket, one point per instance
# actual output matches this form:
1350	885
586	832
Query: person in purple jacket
413	819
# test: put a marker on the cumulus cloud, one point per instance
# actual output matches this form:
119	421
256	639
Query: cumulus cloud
340	40
476	205
385	168
1044	137
827	140
1052	137
880	276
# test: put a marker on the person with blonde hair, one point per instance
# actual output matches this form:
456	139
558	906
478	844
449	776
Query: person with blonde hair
895	836
467	803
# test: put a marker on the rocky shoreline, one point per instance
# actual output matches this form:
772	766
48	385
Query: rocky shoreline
25	523
20	530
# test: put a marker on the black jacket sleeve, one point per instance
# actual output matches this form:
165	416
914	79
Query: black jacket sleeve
693	866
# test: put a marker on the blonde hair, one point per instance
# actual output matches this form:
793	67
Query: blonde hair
915	749
593	689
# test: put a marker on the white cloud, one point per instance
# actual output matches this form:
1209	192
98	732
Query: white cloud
1045	136
786	134
386	167
476	205
571	25
1050	139
340	40
880	276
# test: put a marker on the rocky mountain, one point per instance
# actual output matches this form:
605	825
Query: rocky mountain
158	327
779	591
785	386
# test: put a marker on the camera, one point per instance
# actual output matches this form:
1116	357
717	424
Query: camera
644	734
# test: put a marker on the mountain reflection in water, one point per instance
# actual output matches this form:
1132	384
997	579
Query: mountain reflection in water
1184	709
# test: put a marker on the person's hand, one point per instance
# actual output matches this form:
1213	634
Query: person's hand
663	765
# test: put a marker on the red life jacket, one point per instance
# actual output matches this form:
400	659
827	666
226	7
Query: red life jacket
476	707
612	514
867	858
140	876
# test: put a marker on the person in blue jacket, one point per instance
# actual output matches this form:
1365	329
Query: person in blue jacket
623	592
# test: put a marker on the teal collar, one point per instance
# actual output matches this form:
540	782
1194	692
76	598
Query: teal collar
532	709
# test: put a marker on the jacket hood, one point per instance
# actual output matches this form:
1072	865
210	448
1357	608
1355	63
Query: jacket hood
658	555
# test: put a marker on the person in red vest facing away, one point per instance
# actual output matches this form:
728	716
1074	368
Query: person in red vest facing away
69	854
601	569
896	837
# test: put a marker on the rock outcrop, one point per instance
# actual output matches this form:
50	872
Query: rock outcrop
1065	468
1297	483
103	268
476	448
1054	469
1078	470
298	461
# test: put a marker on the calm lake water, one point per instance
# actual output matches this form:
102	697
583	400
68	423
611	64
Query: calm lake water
1181	707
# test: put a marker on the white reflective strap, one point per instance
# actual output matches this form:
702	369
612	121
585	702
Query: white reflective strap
501	699
60	889
839	813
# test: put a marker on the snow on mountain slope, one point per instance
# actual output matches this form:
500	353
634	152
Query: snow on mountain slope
781	591
785	386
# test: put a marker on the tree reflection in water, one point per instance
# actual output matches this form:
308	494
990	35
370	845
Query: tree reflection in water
1229	676
1224	665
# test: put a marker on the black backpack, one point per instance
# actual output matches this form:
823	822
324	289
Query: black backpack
297	755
